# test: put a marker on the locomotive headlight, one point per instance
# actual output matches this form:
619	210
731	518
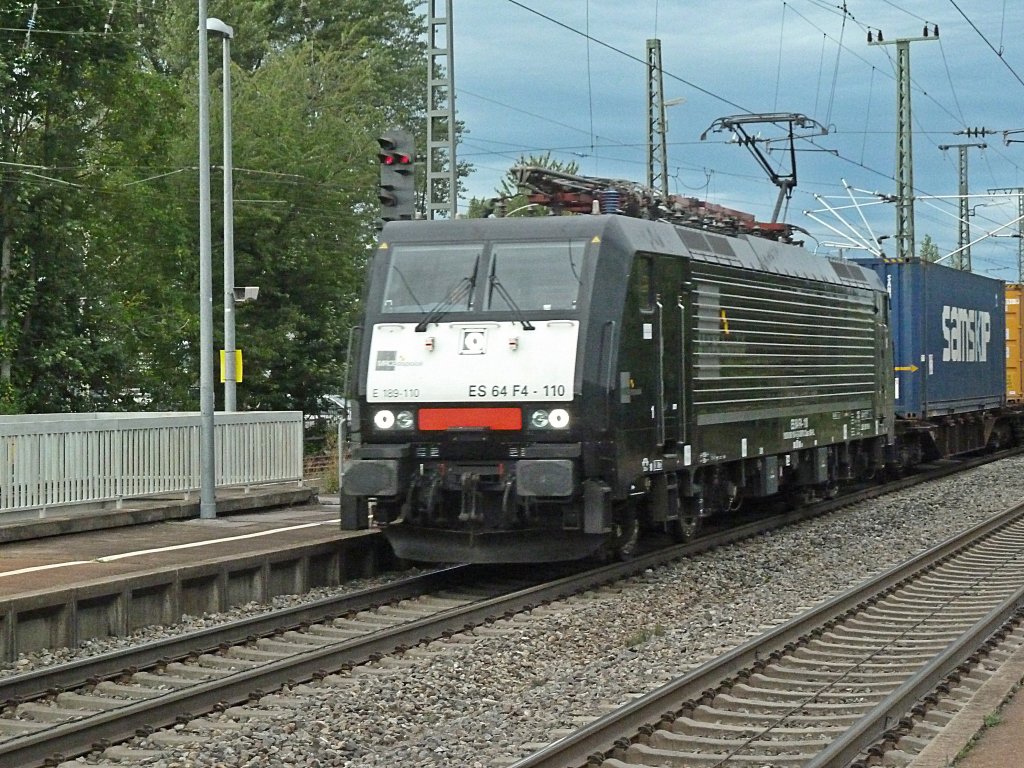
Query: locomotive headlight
385	420
556	418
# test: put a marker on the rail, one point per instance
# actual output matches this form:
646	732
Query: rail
609	732
53	460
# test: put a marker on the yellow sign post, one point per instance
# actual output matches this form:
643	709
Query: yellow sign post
238	365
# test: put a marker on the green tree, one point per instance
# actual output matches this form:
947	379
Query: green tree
58	81
143	225
929	251
308	84
99	193
303	231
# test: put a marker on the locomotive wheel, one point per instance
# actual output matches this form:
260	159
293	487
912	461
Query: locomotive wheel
800	496
894	472
626	539
685	528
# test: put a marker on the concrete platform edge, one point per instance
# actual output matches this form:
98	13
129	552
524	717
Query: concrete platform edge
943	750
209	583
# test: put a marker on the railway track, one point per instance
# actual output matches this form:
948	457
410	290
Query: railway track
71	709
849	678
85	706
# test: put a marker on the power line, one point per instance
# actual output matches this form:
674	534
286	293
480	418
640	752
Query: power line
998	53
627	55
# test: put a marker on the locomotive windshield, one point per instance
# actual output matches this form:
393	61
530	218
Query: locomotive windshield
536	276
423	277
522	277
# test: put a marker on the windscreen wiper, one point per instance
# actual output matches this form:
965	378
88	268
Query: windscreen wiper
458	292
496	284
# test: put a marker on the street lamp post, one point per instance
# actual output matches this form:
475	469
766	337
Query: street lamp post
207	475
226	33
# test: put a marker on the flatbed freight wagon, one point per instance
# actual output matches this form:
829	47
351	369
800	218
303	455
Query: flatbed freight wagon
948	331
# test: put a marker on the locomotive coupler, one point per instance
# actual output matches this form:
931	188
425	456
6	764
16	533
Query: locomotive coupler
468	509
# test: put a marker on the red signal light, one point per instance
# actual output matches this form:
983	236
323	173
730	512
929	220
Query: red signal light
394	158
396	188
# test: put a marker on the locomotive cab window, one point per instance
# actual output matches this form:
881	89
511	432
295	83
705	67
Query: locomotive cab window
422	278
535	276
645	283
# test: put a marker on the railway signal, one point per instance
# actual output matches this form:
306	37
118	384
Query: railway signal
397	191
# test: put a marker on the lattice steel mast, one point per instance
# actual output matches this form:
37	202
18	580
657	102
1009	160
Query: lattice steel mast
904	149
657	142
442	197
1020	225
962	256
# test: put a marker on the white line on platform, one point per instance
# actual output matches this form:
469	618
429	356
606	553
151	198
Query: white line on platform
35	568
111	558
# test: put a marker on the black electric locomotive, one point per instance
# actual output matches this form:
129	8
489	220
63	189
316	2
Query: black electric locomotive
536	389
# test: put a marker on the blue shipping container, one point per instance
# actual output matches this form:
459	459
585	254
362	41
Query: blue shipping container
948	331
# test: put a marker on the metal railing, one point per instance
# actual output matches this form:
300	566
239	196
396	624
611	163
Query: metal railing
49	460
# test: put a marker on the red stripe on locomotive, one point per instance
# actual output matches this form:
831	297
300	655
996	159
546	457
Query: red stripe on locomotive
454	418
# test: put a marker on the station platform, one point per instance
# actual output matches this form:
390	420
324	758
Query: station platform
71	575
989	731
79	518
1000	745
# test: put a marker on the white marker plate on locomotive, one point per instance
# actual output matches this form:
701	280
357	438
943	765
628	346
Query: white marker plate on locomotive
468	362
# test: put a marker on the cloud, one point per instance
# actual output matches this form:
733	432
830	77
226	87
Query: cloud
528	81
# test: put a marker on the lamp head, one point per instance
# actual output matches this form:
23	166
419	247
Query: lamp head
218	27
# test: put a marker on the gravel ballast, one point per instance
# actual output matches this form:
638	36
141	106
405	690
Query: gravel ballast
490	697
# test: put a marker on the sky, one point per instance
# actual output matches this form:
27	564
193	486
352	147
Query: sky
569	78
